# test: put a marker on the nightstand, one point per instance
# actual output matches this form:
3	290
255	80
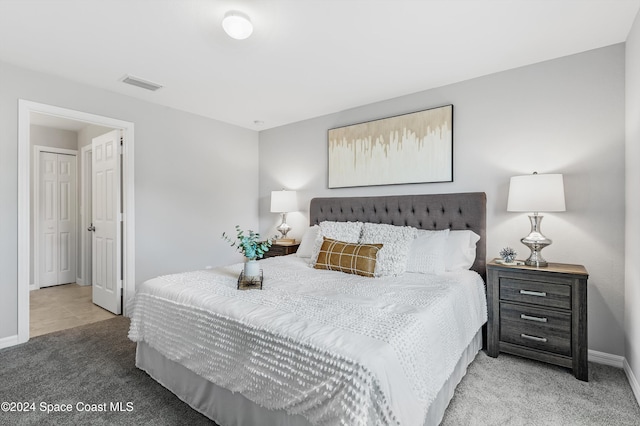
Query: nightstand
539	313
281	250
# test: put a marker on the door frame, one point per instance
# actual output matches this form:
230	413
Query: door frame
25	108
85	219
37	149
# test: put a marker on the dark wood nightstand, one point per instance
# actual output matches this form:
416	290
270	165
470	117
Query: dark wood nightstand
539	313
281	250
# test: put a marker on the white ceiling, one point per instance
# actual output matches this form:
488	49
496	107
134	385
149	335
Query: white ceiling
306	58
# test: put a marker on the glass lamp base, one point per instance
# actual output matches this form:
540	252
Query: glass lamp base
535	259
536	242
283	228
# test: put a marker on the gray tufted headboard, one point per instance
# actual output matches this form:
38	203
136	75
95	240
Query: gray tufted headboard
426	211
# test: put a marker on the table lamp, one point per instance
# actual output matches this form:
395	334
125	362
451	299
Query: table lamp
284	202
536	193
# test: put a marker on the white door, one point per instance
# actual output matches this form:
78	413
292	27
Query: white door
57	219
107	224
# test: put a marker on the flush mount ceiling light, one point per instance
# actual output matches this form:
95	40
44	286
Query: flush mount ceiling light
237	25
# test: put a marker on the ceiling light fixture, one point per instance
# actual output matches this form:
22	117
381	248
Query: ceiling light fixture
237	25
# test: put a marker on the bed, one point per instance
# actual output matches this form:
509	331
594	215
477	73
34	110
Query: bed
317	346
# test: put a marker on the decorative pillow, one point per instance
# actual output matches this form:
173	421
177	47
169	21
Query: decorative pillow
358	259
427	252
461	250
307	242
349	232
392	258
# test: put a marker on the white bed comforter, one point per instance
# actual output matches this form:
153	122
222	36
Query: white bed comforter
333	347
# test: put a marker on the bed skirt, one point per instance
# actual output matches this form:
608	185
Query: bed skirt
232	409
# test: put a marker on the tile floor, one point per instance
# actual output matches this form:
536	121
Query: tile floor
60	307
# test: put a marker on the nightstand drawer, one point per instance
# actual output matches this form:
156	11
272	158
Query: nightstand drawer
536	328
536	292
281	250
276	250
539	313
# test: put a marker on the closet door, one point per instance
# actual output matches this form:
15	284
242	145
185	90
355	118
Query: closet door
57	219
67	193
48	212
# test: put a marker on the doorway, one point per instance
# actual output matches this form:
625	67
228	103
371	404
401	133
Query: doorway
56	234
25	175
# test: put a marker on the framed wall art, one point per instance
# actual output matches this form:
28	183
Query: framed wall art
409	148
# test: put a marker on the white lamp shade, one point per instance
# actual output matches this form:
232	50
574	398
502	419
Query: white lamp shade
284	201
237	25
536	193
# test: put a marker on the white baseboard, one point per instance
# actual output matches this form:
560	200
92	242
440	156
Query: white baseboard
33	287
80	281
635	387
606	359
5	342
619	362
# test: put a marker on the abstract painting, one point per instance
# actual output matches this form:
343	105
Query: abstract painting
409	148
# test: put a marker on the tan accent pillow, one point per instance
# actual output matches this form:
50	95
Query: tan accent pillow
359	259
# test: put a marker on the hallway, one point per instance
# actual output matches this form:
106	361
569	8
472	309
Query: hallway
60	307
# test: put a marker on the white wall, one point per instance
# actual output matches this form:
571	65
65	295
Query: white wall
632	250
563	116
194	178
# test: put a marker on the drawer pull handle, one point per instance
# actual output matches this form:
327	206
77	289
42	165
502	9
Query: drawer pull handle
530	318
534	338
534	293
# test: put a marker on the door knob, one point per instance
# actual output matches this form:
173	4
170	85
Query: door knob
91	228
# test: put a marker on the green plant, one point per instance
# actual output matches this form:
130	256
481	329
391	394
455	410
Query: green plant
249	245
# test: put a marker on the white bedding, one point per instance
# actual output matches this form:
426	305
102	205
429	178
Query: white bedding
332	347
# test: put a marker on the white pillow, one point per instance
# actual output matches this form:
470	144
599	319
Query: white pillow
428	251
348	232
308	241
461	250
395	240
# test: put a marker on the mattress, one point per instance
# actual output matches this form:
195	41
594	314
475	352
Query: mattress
323	346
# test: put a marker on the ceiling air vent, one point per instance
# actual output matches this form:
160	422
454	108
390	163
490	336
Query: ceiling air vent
145	84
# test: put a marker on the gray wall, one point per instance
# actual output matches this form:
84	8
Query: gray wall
86	134
632	251
562	116
194	178
48	136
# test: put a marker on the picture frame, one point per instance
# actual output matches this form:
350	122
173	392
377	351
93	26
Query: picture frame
410	148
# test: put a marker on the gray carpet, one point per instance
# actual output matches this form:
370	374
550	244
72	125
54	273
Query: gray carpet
94	364
514	391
